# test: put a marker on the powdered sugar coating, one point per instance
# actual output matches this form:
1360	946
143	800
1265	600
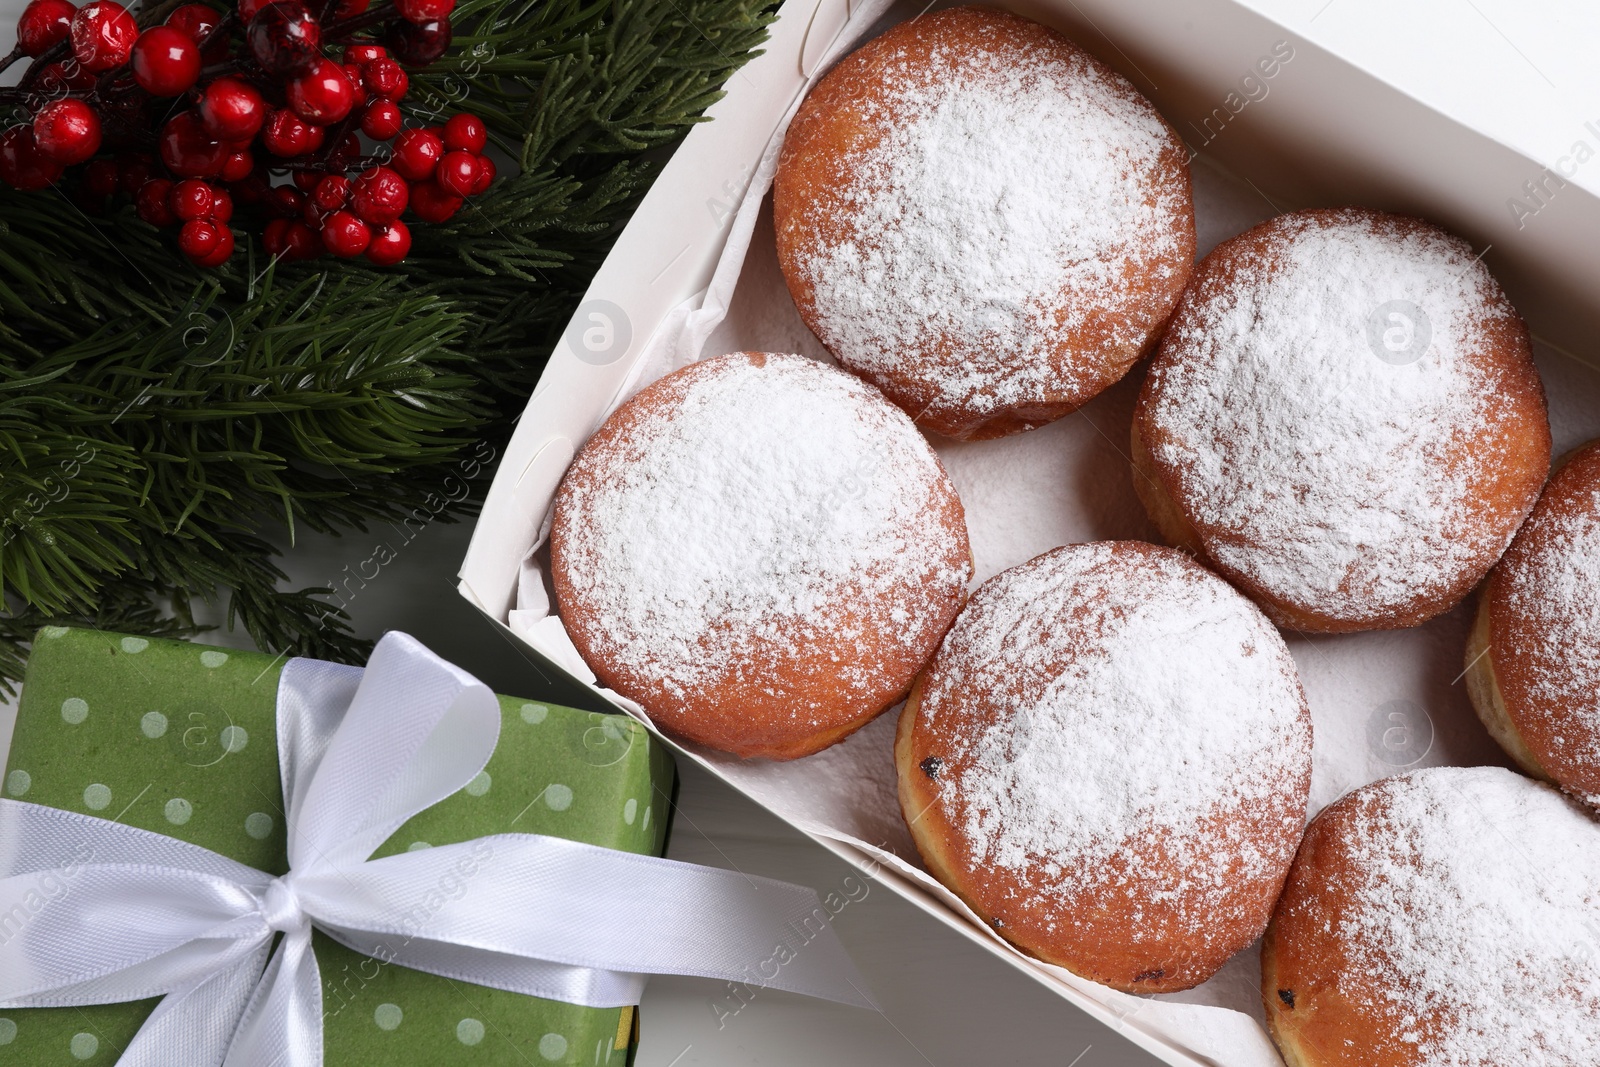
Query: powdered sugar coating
1466	907
748	526
1114	721
1545	647
1320	468
1013	220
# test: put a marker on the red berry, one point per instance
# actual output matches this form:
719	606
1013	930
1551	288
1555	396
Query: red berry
238	167
352	74
232	109
219	255
287	200
253	189
381	120
67	131
323	96
102	35
133	170
303	241
152	204
431	203
345	235
195	20
287	134
285	39
348	8
420	11
457	173
166	62
285	239
249	9
100	178
21	162
199	238
44	24
418	44
389	244
380	195
188	151
275	238
416	154
364	52
486	172
332	193
466	133
221	205
192	199
306	180
386	78
58	78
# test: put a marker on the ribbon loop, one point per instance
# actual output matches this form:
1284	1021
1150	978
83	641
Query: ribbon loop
361	753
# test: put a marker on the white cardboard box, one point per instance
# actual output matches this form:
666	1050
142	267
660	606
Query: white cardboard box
1318	132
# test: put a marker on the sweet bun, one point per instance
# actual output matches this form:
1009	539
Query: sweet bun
1443	917
983	220
1109	760
1344	418
1533	658
759	550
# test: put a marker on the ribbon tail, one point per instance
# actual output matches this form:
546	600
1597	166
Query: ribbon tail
566	902
535	978
282	1024
200	1020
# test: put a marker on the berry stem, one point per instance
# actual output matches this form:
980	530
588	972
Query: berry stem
59	50
33	100
337	135
16	54
221	30
341	32
217	70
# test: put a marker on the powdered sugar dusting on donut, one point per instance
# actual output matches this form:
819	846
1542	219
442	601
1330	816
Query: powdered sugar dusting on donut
1004	178
775	503
1555	586
1145	710
1326	474
1475	915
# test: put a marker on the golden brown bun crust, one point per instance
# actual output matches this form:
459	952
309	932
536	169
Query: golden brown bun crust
1551	729
1098	939
1500	496
1444	915
1484	690
789	694
1315	1021
832	131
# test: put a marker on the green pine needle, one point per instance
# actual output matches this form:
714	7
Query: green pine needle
164	430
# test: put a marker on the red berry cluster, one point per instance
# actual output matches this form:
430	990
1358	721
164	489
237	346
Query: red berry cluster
247	106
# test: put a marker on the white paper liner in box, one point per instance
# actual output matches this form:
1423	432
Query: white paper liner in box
1381	702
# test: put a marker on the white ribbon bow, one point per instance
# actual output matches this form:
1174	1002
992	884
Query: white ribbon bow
360	753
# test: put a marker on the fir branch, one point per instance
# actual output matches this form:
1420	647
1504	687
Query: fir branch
201	418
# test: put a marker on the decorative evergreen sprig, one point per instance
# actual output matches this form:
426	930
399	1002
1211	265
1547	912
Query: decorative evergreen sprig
163	429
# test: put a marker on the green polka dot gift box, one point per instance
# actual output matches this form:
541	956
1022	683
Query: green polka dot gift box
181	739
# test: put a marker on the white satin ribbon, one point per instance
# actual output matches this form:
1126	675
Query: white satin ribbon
361	752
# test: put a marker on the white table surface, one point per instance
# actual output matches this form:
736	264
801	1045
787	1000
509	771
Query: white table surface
1522	72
